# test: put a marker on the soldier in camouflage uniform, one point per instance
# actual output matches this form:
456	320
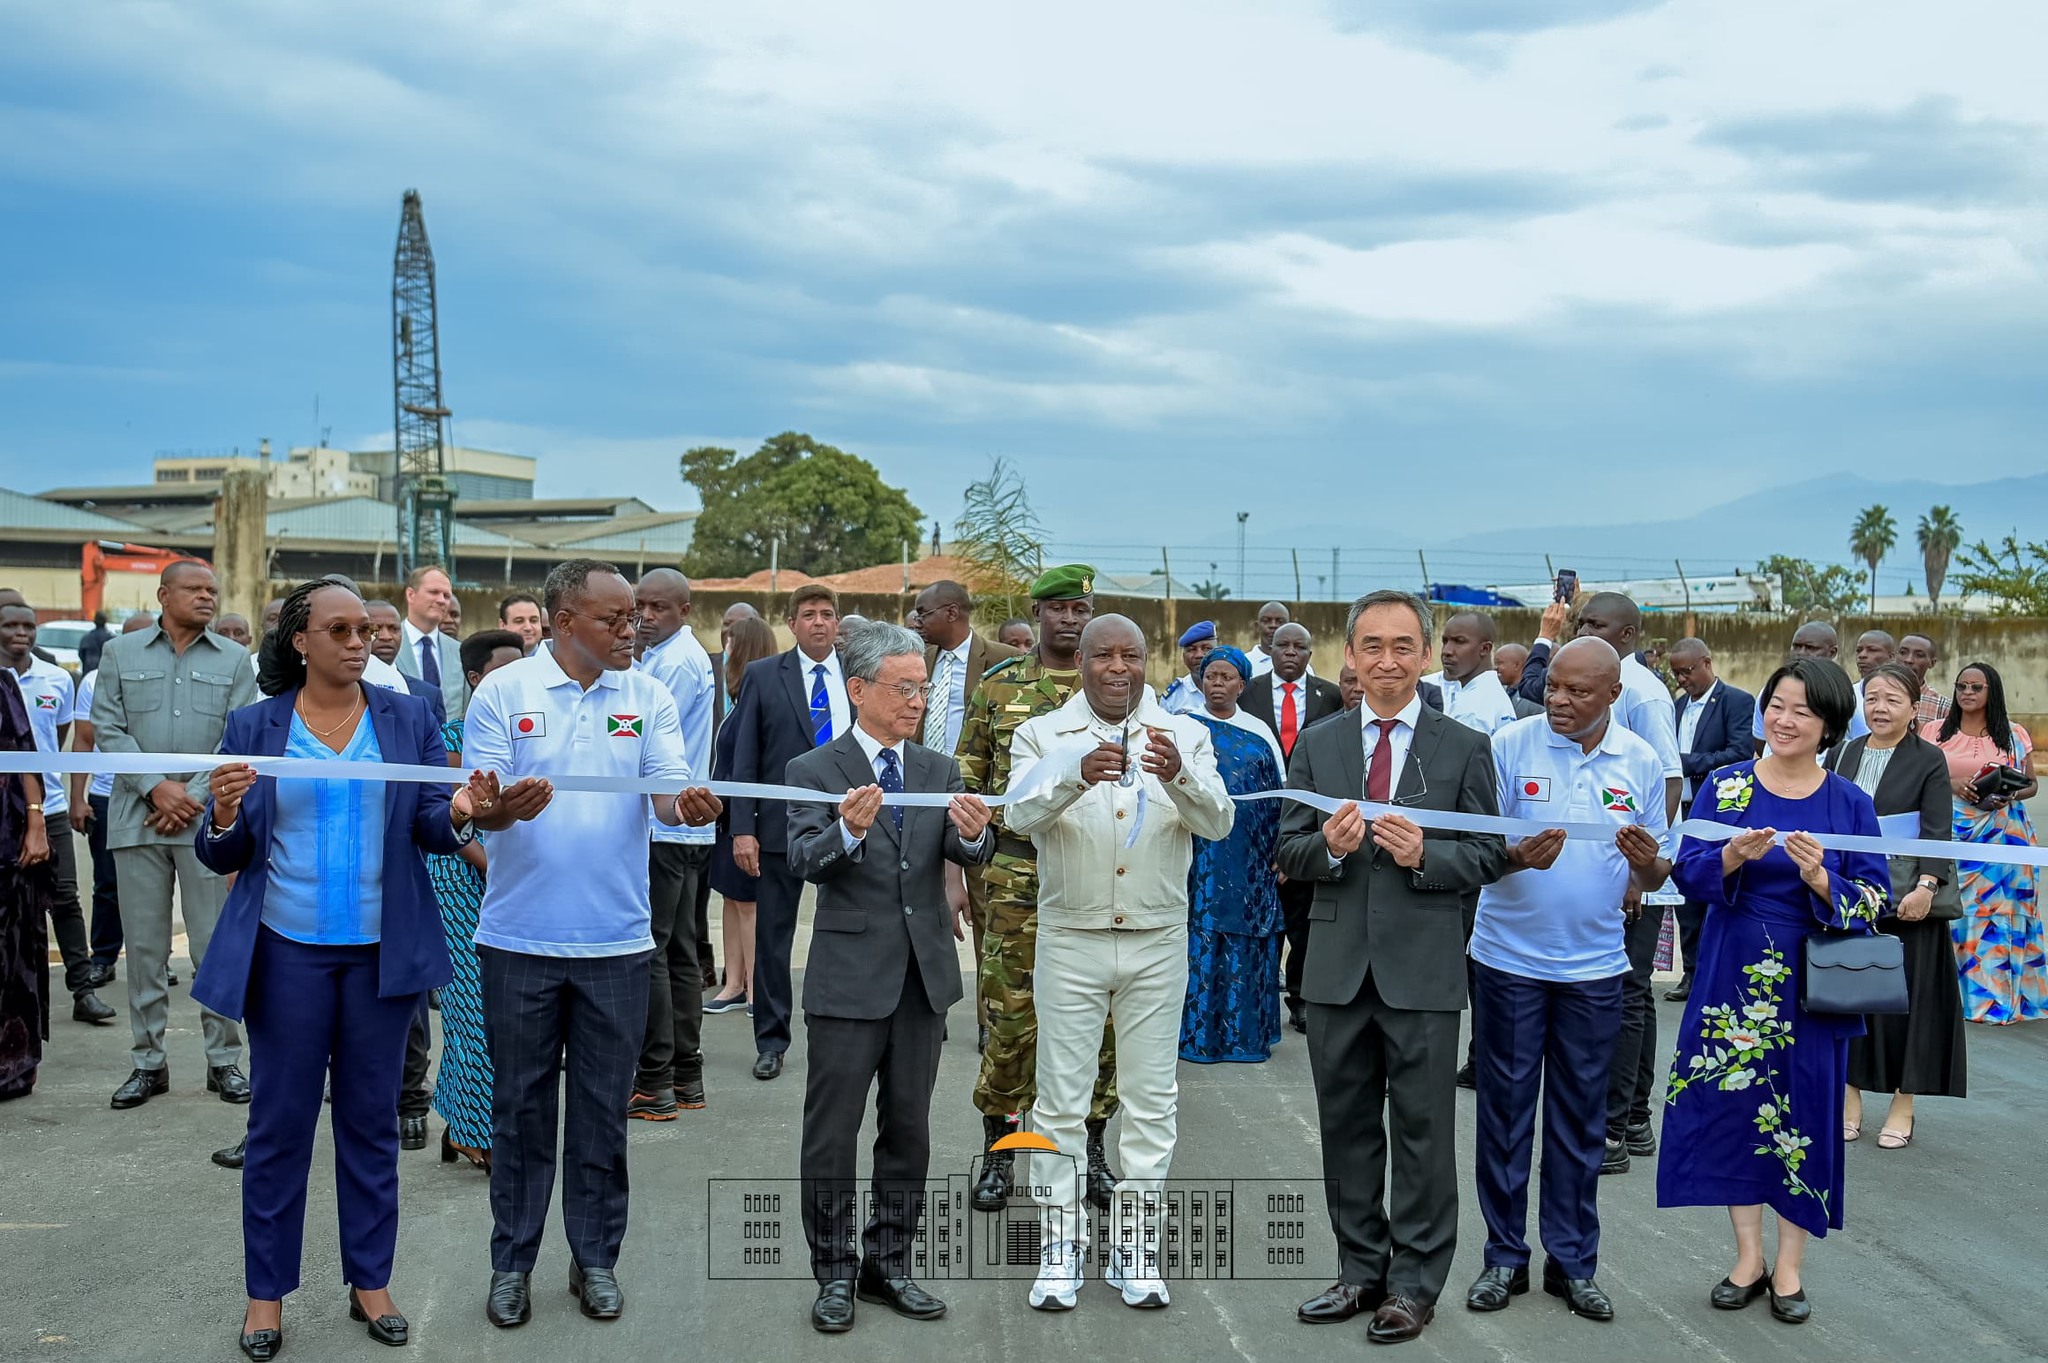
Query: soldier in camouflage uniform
1011	692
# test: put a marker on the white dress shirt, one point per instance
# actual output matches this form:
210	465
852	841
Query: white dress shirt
681	665
1481	703
874	748
377	672
958	684
835	687
1399	740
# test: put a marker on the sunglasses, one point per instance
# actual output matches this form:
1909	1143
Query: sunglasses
341	633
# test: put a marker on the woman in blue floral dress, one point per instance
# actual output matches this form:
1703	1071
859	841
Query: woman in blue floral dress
1234	919
1755	1099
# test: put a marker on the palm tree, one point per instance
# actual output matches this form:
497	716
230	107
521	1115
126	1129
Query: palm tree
1939	534
1870	539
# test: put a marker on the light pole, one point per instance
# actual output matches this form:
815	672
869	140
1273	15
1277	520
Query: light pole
1242	517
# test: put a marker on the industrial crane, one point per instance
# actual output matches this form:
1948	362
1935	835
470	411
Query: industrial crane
426	502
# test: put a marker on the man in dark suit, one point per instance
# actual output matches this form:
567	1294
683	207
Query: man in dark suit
1288	700
1713	730
881	975
787	705
955	658
1385	977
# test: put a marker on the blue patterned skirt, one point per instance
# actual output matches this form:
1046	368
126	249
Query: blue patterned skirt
1233	1007
462	1090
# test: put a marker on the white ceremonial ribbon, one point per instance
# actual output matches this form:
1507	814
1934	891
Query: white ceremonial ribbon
1895	839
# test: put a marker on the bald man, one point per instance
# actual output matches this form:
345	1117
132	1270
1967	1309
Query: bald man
1814	639
1272	615
1874	648
1509	660
1549	959
1471	688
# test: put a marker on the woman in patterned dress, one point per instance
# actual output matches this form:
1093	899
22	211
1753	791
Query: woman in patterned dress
2000	945
26	885
462	1092
1757	1086
1234	919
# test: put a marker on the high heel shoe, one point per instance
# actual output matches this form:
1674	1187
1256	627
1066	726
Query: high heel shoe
448	1152
392	1330
260	1346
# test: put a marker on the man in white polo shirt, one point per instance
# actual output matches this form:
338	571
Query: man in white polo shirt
563	937
1471	688
1549	961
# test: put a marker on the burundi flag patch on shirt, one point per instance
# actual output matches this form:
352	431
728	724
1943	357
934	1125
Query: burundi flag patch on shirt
622	726
1614	797
1533	787
530	724
46	702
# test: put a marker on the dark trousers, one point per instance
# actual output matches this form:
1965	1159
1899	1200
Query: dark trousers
707	959
1296	896
1632	1075
1690	915
1386	1085
313	1010
545	1016
847	1056
415	1099
65	915
675	990
106	891
1555	1038
774	939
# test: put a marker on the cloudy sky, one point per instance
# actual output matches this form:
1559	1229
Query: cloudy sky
1437	265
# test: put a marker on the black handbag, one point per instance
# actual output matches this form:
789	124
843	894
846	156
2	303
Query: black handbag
1853	972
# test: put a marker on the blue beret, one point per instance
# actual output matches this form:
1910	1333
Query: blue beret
1200	630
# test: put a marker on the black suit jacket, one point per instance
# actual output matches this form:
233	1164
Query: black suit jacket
1406	927
1915	781
1261	700
1724	733
884	903
773	719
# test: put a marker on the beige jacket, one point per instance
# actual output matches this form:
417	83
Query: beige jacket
1087	877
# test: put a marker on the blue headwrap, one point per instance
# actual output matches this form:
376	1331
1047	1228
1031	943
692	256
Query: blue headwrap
1200	630
1234	656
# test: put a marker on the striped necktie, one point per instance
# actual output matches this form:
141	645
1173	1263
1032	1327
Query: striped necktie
821	708
939	705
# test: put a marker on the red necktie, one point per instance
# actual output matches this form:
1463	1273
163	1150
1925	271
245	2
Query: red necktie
1287	727
1379	772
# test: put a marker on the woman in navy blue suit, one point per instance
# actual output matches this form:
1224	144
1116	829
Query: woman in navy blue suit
328	941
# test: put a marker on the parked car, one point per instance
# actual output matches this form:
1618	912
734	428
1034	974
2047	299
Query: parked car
60	639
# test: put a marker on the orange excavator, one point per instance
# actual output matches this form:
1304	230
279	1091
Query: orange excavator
101	557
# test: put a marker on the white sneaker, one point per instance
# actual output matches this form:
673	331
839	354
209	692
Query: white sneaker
1140	1287
1060	1271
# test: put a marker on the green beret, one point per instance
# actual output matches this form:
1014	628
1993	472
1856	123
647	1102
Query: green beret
1064	583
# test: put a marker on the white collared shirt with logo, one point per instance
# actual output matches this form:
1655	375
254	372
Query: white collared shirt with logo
1481	703
572	881
1564	924
680	664
47	692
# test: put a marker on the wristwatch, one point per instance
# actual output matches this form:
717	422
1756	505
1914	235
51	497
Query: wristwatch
1929	884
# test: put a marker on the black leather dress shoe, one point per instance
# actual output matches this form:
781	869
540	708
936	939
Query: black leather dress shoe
1727	1296
1468	1077
232	1157
99	976
392	1330
262	1345
598	1290
1582	1295
1614	1160
412	1133
1794	1309
1339	1302
510	1302
768	1064
901	1295
141	1086
1493	1288
1680	992
1297	1018
1399	1320
832	1312
1640	1138
86	1007
229	1082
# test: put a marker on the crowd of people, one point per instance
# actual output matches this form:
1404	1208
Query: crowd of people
1130	900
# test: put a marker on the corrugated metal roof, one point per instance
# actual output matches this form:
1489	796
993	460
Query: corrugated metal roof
122	494
663	532
527	509
33	513
362	519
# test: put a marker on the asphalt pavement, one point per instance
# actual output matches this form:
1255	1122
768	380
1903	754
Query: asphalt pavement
119	1239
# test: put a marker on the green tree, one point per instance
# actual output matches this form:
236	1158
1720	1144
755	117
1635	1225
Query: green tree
999	535
1210	590
829	510
1870	539
1939	534
2012	574
1810	586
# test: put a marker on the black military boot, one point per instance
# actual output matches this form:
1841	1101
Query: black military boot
992	1189
1101	1182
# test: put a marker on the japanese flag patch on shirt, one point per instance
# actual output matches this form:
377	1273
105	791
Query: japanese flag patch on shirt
530	724
1533	788
622	726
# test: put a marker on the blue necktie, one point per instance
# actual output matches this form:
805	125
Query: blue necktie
892	784
430	660
821	708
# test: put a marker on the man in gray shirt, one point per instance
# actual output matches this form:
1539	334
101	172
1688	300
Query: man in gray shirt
168	689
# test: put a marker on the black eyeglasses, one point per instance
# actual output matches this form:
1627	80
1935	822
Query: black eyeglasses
616	624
